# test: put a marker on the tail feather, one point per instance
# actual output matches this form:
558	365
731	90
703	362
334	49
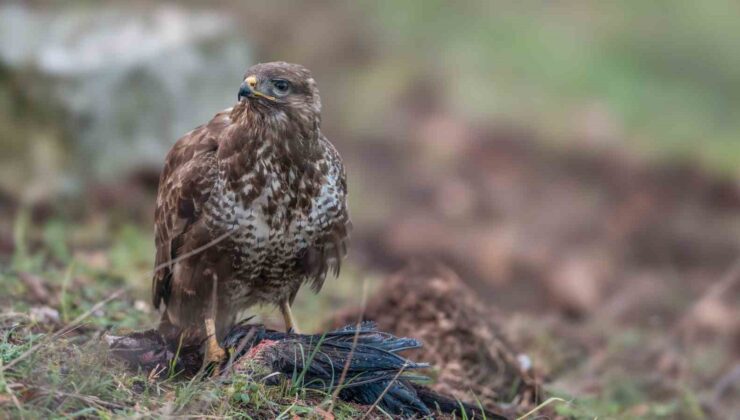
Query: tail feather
449	405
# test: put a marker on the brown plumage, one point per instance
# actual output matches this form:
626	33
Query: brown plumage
250	206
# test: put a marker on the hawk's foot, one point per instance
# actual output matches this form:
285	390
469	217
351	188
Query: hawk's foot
214	353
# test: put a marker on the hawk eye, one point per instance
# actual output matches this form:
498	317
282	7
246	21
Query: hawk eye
281	86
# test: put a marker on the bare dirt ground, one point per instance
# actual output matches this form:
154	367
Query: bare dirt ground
462	340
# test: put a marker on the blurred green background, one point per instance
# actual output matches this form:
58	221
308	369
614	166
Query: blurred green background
102	88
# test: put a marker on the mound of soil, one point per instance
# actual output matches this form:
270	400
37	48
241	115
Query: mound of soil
460	336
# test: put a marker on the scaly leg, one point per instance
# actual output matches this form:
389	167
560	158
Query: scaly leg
214	352
290	324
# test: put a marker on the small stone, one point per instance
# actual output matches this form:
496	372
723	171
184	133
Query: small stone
44	314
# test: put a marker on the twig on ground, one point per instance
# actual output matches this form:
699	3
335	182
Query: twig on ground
90	399
242	343
543	405
731	276
385	391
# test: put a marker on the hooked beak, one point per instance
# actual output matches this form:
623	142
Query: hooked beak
248	89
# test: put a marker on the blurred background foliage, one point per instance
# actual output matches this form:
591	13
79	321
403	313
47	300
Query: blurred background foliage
115	84
662	75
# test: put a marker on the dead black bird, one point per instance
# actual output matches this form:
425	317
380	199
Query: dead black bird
375	370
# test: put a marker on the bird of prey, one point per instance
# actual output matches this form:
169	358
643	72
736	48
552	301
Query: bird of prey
251	206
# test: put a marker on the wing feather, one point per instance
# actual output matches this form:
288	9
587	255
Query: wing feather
327	254
185	184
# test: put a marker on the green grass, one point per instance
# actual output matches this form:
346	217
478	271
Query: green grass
75	376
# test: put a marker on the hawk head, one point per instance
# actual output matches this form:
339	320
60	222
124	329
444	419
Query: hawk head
281	87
